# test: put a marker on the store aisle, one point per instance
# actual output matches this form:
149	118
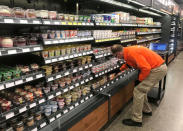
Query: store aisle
169	115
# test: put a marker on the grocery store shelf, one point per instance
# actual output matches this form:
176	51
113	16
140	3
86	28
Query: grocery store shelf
66	57
114	24
147	33
62	41
150	26
21	80
68	72
107	39
128	40
20	50
146	40
59	22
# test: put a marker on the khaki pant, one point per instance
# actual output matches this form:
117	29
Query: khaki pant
140	101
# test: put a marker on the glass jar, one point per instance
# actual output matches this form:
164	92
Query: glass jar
33	40
38	115
30	121
19	126
20	41
6	42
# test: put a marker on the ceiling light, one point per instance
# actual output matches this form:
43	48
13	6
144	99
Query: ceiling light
149	12
135	2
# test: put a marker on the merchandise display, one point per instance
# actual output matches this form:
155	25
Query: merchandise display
65	61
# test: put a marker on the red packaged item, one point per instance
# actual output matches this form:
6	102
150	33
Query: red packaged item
5	105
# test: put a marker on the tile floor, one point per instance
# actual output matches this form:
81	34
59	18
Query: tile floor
169	115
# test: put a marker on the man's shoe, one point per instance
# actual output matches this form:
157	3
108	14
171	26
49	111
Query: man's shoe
147	113
130	122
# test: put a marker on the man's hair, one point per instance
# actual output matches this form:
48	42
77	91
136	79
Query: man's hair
116	48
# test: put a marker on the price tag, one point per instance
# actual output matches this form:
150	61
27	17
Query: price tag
71	56
63	23
71	107
43	125
41	101
54	60
59	115
9	115
71	87
37	48
61	41
18	82
23	21
66	57
91	95
75	70
58	93
8	21
82	82
84	53
79	23
74	23
65	111
61	58
81	68
104	87
50	97
57	23
86	80
52	119
36	22
86	98
69	23
39	76
55	41
65	90
105	71
76	104
96	75
108	84
47	42
1	87
12	52
66	73
82	101
22	109
117	79
48	61
58	76
86	66
83	23
32	105
91	78
75	55
29	79
8	85
101	89
112	82
100	74
26	50
90	65
80	54
77	84
47	22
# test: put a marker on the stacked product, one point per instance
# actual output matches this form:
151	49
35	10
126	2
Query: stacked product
101	50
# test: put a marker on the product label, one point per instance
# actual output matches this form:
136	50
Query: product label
43	125
50	79
1	87
52	119
59	115
58	93
8	85
26	50
36	22
23	21
50	97
65	111
41	101
18	82
8	21
10	115
29	79
12	52
22	109
32	105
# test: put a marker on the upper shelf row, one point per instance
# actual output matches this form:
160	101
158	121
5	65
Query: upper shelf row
25	21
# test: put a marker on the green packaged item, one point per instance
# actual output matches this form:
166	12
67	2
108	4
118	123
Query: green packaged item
81	18
7	75
16	72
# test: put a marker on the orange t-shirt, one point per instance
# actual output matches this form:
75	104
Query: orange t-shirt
141	58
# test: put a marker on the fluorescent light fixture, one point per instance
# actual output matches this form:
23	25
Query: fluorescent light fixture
135	2
114	2
149	12
158	11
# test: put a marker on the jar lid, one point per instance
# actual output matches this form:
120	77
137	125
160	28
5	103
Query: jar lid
19	124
